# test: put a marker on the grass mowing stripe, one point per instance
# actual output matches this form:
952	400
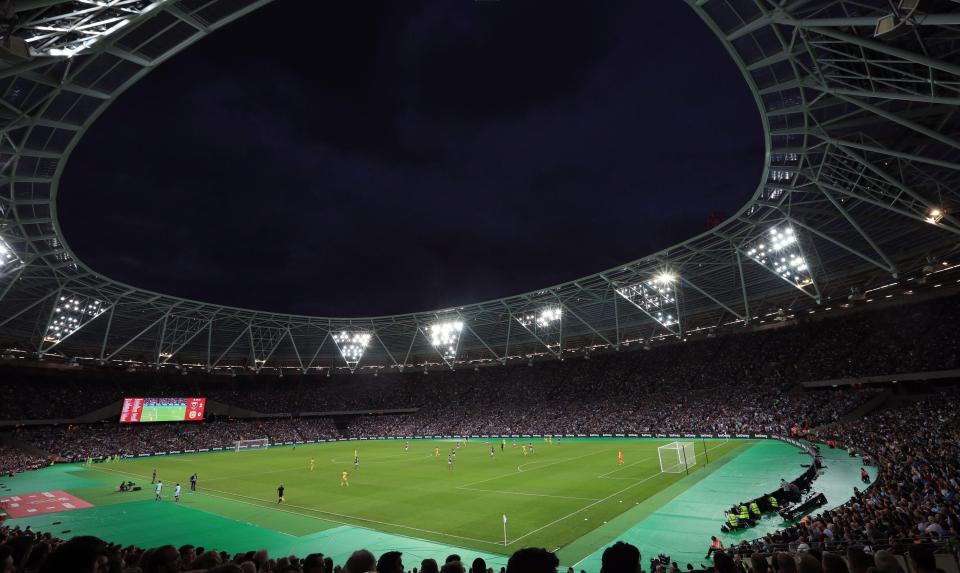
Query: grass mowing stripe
271	506
413	494
535	469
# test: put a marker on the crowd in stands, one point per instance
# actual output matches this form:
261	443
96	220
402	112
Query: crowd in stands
594	400
846	343
34	552
742	383
82	441
15	460
917	451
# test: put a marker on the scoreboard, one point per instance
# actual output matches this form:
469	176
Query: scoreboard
162	409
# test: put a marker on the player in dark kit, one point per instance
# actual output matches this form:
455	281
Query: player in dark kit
193	483
280	494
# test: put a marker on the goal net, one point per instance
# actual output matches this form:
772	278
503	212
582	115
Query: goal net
677	457
242	445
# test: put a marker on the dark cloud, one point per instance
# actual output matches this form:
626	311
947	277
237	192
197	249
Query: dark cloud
368	158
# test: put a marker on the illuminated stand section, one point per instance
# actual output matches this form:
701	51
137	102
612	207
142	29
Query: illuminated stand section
445	337
781	253
70	314
657	298
546	325
352	345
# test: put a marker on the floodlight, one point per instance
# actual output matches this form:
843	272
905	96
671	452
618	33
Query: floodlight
665	277
934	216
7	254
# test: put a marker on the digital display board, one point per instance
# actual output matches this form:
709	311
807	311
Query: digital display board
162	409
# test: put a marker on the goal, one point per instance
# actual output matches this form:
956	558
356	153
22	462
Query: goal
677	457
261	443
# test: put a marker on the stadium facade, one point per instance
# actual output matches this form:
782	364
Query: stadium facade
859	104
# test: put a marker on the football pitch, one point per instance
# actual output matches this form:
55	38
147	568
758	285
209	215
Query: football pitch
172	413
550	497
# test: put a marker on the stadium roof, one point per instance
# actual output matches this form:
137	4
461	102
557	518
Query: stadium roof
860	183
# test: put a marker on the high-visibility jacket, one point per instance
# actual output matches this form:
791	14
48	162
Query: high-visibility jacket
773	502
754	508
744	514
716	544
732	520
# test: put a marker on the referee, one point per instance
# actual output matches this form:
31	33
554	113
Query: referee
280	494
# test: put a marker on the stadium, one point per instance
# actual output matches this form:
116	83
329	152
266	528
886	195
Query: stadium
778	391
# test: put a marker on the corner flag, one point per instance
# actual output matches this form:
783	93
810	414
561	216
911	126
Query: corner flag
504	529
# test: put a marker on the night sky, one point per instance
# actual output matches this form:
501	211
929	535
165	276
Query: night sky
363	158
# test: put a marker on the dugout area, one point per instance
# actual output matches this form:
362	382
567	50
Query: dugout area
554	497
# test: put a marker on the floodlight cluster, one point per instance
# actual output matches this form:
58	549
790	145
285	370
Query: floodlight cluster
352	345
657	297
7	255
780	252
665	319
547	317
77	26
69	315
444	336
650	295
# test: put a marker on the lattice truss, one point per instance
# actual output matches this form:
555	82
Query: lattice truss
859	101
657	298
545	323
70	28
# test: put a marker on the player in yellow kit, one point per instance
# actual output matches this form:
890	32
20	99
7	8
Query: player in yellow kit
524	448
312	464
343	479
436	452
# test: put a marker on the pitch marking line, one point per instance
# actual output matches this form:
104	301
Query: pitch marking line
229	497
723	443
526	493
593	504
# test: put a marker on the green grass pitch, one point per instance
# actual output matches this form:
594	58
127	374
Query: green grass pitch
551	497
163	413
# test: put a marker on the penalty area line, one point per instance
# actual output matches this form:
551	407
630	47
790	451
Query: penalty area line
525	493
584	558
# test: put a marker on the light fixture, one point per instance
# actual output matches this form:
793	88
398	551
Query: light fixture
934	216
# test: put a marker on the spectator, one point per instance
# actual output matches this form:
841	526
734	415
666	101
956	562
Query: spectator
532	560
620	558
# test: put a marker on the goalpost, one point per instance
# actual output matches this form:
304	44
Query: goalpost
677	457
258	444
